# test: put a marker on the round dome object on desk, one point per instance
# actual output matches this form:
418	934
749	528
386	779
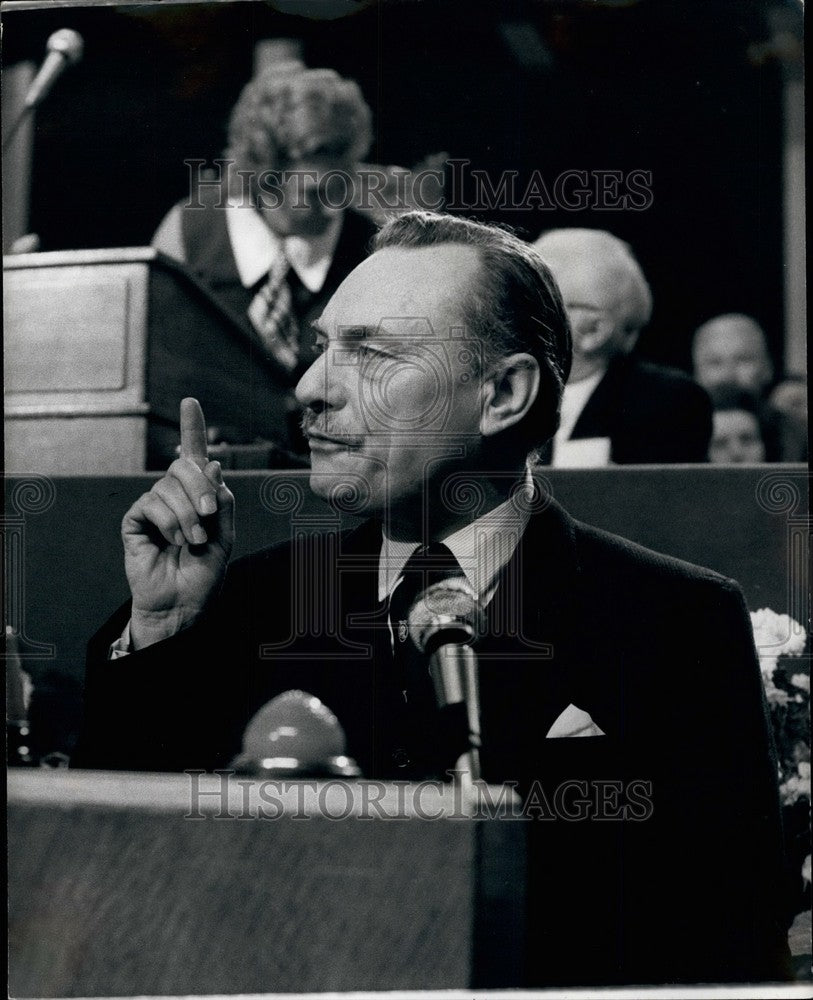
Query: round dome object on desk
295	736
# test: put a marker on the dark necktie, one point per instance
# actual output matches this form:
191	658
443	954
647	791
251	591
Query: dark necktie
428	565
434	739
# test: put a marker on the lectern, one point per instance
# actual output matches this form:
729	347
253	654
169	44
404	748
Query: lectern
130	885
100	346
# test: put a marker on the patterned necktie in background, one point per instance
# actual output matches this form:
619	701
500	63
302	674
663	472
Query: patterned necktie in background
272	315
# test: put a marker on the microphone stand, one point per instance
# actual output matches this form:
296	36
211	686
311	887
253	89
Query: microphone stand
15	126
454	671
443	622
64	49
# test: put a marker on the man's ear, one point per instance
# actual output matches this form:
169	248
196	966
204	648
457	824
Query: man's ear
510	388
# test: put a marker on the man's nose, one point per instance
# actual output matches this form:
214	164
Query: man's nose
319	389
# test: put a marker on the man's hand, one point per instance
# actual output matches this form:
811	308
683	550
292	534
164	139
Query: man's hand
178	538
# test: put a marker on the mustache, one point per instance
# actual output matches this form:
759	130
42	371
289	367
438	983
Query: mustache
310	423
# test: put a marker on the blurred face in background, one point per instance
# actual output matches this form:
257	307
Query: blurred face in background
295	133
736	438
597	299
304	196
731	350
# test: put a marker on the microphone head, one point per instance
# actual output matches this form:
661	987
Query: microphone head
68	43
295	735
447	611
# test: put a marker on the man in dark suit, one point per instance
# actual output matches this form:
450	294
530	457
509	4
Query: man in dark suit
619	688
616	407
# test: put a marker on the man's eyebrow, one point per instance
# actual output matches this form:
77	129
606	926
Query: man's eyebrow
354	332
350	331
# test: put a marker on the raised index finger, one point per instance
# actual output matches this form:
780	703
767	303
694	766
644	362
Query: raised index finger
193	432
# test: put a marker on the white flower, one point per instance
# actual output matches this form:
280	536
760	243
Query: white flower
797	786
767	664
775	695
806	870
801	681
776	635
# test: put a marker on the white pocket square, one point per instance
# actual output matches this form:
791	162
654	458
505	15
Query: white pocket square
573	722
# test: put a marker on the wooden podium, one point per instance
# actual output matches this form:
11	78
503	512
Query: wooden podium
100	347
127	885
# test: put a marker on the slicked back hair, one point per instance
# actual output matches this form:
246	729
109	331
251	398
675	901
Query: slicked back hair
515	305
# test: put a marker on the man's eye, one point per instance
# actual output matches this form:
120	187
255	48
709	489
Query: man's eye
371	352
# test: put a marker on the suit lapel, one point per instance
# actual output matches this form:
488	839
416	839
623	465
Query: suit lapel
528	655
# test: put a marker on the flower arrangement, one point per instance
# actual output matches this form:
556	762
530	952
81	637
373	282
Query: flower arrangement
780	641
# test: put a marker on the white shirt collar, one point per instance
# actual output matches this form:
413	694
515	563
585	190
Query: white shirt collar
482	548
256	247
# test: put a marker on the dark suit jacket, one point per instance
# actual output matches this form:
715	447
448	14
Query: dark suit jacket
650	414
658	652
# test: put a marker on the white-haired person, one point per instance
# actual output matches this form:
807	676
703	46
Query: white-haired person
616	407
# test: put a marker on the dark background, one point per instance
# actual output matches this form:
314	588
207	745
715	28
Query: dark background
675	88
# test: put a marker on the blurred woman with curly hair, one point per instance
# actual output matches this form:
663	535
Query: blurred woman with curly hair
271	232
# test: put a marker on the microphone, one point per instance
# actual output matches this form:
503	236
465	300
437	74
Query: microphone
443	622
295	736
64	49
